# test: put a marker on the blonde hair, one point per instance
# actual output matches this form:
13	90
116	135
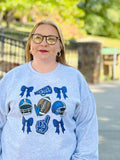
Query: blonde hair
60	59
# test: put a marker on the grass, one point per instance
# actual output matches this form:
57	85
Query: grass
108	42
20	26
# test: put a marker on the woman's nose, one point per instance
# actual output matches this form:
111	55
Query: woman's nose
44	42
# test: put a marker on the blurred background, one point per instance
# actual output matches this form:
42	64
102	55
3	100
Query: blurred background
91	29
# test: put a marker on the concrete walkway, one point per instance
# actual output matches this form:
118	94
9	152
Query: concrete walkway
107	96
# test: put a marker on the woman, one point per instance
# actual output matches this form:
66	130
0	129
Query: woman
47	110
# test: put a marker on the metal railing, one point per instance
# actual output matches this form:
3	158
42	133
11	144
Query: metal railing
12	53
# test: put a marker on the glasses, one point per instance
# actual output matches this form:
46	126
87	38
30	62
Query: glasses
51	39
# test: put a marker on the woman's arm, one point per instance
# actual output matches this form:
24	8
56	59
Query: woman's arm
86	130
2	110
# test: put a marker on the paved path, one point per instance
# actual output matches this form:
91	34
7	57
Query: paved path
107	96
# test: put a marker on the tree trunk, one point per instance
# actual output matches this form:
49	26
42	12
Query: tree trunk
1	16
9	17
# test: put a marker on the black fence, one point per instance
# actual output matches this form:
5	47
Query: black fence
12	50
12	53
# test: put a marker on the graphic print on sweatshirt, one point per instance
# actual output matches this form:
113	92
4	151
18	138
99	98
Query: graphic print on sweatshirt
42	125
43	91
28	123
26	90
59	108
62	90
43	106
25	106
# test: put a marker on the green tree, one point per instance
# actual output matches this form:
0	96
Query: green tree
102	17
9	7
65	12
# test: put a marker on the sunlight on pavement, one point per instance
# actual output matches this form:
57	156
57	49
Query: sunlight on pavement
101	139
109	107
95	90
110	85
103	119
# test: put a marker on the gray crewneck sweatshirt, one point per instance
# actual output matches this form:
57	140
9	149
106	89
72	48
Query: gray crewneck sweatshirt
47	116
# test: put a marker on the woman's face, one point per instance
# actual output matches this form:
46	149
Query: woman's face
44	51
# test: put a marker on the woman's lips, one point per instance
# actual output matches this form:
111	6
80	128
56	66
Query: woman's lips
43	51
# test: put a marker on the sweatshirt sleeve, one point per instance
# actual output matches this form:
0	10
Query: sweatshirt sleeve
2	110
86	128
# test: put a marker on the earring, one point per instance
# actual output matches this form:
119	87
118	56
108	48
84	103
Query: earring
58	54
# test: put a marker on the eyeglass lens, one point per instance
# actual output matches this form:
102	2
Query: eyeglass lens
37	38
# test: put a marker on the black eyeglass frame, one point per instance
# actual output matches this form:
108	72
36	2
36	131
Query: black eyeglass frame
45	38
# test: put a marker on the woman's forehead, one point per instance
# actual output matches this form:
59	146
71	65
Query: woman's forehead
46	29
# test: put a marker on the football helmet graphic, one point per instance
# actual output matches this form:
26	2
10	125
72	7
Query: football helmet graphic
58	108
25	106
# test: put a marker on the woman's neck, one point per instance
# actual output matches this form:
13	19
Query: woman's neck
43	67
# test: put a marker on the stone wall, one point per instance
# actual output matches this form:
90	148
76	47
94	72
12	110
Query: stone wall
89	60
